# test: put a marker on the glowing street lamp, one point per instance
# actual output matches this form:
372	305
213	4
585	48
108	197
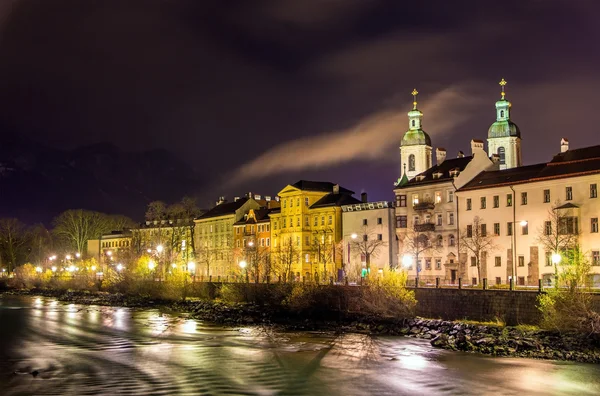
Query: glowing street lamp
151	265
72	268
407	260
159	248
93	268
191	266
149	250
243	264
109	253
354	236
38	269
78	255
251	243
119	267
68	257
53	269
556	258
523	223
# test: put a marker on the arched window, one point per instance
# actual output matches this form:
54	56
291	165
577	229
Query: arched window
501	113
451	240
439	241
411	162
502	155
413	122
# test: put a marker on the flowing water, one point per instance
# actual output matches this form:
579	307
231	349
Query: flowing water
53	348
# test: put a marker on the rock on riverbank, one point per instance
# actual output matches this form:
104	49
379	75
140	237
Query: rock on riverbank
505	341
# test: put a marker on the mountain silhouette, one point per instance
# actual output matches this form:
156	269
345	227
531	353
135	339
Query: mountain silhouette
38	182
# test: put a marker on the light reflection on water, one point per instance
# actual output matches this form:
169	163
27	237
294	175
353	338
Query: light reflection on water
101	350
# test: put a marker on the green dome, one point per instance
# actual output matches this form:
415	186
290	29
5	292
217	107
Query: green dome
504	128
416	137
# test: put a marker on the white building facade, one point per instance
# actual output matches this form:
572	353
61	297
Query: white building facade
516	206
362	224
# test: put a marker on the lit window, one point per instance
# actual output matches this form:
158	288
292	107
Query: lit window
438	197
415	199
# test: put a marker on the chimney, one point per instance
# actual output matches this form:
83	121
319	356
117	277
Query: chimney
277	198
267	198
336	188
564	145
460	154
495	158
476	146
440	155
363	197
235	199
221	200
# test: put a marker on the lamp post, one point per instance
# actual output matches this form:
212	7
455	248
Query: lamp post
513	246
354	235
243	265
556	258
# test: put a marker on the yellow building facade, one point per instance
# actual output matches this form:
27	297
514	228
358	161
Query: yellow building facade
307	230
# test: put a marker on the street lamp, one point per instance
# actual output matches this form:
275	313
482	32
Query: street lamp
68	257
38	270
407	260
556	258
243	265
513	246
78	255
119	267
151	265
159	248
191	266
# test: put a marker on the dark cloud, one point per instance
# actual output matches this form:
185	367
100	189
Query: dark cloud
288	88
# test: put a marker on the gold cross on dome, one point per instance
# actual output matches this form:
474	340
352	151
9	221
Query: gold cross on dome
414	94
502	84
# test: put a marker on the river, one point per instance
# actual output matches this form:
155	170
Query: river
52	348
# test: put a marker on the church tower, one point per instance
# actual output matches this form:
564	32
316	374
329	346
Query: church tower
504	136
415	148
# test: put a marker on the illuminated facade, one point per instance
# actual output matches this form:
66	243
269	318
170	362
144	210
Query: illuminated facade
516	206
307	230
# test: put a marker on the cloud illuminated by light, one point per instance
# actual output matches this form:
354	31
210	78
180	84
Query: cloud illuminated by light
375	137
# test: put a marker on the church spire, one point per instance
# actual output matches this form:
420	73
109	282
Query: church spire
414	94
502	84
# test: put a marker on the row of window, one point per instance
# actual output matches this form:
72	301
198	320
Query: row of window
262	242
284	222
113	244
260	228
222	227
379	221
595	258
437	198
428	262
567	225
524	197
402	221
291	202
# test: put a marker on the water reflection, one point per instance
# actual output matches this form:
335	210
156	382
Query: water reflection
102	350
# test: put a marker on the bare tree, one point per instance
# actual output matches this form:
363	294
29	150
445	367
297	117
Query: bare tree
157	210
368	245
559	233
40	244
419	241
75	227
206	256
475	239
14	238
286	255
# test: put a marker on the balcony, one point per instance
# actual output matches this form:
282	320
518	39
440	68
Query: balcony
424	227
423	205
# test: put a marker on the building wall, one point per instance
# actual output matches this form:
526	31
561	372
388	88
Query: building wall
443	258
512	150
380	221
423	155
294	225
535	212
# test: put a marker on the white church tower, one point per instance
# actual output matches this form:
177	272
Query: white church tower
415	149
504	136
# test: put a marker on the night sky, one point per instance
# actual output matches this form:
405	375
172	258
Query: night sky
259	94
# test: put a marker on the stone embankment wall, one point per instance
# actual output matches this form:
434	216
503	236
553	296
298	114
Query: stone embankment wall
512	307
